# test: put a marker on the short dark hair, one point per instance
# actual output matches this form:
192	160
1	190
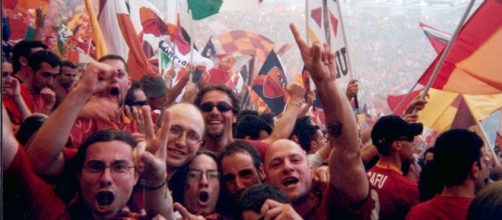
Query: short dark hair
100	136
268	117
67	63
114	57
307	134
454	153
44	56
222	88
23	49
30	126
251	125
240	146
135	85
253	197
487	204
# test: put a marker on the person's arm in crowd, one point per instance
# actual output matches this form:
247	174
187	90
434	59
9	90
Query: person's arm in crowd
284	126
368	152
176	89
154	176
309	102
272	209
46	147
12	88
410	114
190	93
39	25
352	89
365	134
9	142
346	168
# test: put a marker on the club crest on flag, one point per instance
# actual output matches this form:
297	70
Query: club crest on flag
274	83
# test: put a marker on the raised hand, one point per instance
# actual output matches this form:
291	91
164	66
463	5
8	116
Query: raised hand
11	87
352	89
318	60
185	214
49	97
272	209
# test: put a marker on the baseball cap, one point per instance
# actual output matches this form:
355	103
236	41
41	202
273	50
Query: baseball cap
153	86
392	127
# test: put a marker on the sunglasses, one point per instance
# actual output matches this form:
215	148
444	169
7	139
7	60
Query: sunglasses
221	106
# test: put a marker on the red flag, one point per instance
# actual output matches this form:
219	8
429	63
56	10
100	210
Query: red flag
270	84
437	38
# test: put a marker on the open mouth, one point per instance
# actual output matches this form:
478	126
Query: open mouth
105	198
203	196
114	91
290	181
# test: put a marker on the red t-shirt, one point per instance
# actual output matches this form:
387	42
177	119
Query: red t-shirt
34	103
396	193
441	207
260	146
329	205
85	127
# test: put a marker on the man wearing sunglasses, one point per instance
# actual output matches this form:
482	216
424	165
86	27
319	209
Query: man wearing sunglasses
394	137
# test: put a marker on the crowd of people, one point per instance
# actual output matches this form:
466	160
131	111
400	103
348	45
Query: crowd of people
86	142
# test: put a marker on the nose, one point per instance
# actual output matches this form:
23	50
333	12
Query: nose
288	166
106	178
181	139
240	184
203	180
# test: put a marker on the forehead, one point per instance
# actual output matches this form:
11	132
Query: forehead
216	96
188	118
203	162
283	148
6	66
109	151
236	161
115	64
46	67
67	69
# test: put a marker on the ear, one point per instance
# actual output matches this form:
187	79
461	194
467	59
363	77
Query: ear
23	61
313	144
475	169
261	172
395	146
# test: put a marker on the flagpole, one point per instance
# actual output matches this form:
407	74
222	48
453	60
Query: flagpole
190	65
405	97
447	50
349	64
307	26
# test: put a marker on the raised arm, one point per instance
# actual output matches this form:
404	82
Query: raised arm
9	143
346	168
284	126
45	150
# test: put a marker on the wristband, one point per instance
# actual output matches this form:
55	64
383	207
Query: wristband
153	187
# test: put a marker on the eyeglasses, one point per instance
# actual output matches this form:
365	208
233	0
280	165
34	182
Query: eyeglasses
195	175
116	169
221	106
191	136
139	103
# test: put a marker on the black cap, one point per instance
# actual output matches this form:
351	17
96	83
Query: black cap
391	127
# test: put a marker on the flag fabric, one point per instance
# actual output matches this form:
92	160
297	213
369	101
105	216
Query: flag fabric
225	67
121	38
204	8
99	41
438	39
209	49
324	27
473	64
241	5
270	84
246	43
25	4
498	138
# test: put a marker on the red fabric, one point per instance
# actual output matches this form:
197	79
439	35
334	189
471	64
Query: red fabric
397	194
83	128
441	207
327	205
260	146
38	199
13	109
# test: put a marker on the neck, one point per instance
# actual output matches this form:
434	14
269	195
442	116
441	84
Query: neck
23	75
217	144
466	189
390	161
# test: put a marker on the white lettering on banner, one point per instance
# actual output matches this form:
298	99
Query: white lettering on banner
169	51
377	180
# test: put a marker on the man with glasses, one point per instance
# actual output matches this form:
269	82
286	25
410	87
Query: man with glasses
393	137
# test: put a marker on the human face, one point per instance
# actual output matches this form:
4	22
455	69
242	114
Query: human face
287	168
68	77
482	174
239	173
139	98
187	128
44	77
118	85
6	71
107	193
218	123
320	141
407	149
202	186
157	102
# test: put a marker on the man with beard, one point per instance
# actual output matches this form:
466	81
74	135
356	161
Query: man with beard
106	166
286	165
66	80
37	91
219	106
